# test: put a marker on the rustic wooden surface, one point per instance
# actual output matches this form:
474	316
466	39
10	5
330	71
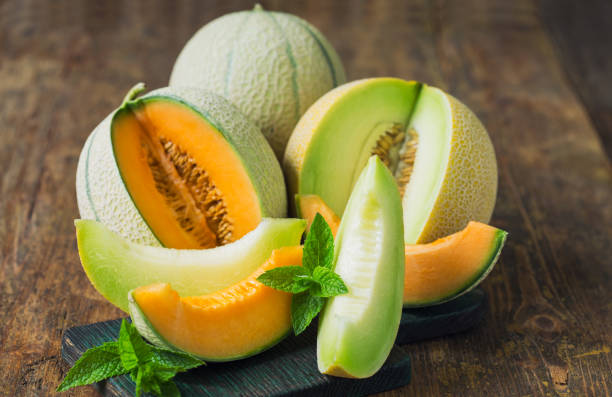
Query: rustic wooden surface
537	73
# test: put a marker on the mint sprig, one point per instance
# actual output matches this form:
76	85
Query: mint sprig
312	282
151	368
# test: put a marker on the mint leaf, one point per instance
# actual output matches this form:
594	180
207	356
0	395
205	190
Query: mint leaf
292	279
328	283
95	364
304	307
132	348
169	359
319	245
169	389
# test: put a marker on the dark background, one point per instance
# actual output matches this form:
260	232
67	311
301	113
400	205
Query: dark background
538	74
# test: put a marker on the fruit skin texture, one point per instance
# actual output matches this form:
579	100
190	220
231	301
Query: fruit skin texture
357	330
451	266
115	266
468	185
102	195
231	324
271	65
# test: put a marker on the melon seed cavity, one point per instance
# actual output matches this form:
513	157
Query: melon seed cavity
397	149
196	202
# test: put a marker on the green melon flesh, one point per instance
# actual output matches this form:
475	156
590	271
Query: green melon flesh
357	330
454	174
115	266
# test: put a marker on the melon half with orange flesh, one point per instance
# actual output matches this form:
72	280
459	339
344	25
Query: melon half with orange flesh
237	322
181	168
441	270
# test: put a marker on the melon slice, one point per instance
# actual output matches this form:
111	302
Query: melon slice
439	271
179	167
357	329
115	266
309	205
451	266
437	149
237	322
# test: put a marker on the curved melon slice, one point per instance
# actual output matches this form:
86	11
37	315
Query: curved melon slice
309	205
234	323
180	167
451	266
115	266
357	329
437	149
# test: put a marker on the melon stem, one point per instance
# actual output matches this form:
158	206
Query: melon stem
133	92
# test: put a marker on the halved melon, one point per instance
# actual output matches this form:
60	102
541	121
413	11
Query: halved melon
436	148
451	266
115	266
180	167
309	205
234	323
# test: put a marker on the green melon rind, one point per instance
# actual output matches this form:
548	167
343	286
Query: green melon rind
103	196
148	331
271	65
488	264
115	266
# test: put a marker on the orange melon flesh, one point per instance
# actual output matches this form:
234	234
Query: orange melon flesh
233	323
444	269
308	205
177	122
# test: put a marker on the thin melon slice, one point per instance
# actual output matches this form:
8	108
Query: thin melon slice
309	205
179	167
437	149
234	323
451	266
357	330
115	266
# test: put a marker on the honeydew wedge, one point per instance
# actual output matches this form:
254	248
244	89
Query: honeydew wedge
357	329
236	322
438	151
115	265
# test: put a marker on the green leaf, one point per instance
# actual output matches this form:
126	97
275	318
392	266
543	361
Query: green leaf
292	279
169	359
328	283
96	364
132	348
304	307
319	245
169	389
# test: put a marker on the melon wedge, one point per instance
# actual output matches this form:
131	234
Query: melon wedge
357	330
234	323
437	149
115	266
451	266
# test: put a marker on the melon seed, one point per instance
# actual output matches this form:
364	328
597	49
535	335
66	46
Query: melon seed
397	148
197	203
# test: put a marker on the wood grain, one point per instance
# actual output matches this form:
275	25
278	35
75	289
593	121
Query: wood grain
64	65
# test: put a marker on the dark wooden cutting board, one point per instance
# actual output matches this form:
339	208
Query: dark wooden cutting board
290	368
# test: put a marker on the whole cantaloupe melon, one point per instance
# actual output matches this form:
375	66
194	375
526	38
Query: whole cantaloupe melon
179	167
271	65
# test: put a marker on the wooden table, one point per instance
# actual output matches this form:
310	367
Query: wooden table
539	75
